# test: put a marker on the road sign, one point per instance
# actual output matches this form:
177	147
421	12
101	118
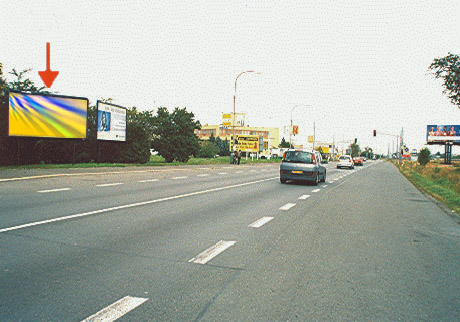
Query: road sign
247	143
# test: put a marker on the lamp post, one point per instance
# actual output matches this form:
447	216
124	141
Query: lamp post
234	101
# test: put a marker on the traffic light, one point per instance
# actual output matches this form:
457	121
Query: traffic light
356	140
375	132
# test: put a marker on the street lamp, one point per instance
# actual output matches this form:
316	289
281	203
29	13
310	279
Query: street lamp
234	101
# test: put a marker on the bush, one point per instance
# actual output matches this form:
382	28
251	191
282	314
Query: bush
424	156
208	150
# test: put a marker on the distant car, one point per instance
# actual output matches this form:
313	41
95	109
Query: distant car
373	158
358	161
364	159
345	161
302	165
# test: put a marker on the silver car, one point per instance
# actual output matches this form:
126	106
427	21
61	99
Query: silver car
302	165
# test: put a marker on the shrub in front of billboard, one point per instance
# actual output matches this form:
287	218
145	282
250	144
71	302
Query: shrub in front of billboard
440	134
111	122
47	116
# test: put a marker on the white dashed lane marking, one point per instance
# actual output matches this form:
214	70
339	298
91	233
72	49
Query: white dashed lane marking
304	197
53	190
212	252
116	310
259	223
109	184
149	180
203	175
177	178
315	190
287	206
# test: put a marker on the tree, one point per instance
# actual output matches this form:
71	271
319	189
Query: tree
448	68
223	146
173	134
424	156
208	150
355	150
284	144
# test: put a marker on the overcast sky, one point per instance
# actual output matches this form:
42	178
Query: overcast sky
358	65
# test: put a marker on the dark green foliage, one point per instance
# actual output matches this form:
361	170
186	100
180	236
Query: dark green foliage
208	150
355	150
424	156
284	144
173	134
448	68
223	146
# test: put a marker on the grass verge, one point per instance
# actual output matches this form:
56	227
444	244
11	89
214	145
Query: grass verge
440	181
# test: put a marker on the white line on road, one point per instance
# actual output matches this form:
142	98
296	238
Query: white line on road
53	190
287	206
137	204
304	197
324	186
315	190
259	223
203	175
177	178
109	184
336	179
116	310
212	252
223	173
239	172
149	180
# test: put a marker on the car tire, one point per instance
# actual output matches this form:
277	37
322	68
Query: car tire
324	178
282	180
315	183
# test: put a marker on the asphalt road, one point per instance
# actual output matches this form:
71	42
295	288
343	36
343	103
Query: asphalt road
224	243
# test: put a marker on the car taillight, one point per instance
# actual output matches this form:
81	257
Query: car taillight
313	158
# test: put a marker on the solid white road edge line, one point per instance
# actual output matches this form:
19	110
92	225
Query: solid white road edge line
85	174
53	190
116	310
287	206
260	222
303	197
89	213
212	252
109	184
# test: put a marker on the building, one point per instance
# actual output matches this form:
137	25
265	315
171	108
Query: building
224	131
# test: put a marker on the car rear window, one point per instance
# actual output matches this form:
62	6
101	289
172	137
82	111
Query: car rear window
298	157
343	158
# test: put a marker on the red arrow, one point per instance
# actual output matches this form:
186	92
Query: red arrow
48	76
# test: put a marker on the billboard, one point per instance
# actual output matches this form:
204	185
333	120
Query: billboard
111	122
247	143
47	116
440	134
227	119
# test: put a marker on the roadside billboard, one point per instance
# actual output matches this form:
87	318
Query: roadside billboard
247	143
440	134
47	116
322	149
227	119
111	122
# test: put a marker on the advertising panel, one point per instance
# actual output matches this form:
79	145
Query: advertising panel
247	143
47	116
227	119
111	122
440	134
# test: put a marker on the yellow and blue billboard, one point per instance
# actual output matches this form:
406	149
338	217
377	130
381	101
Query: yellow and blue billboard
47	116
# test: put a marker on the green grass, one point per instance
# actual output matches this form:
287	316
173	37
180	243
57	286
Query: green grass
155	160
441	183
